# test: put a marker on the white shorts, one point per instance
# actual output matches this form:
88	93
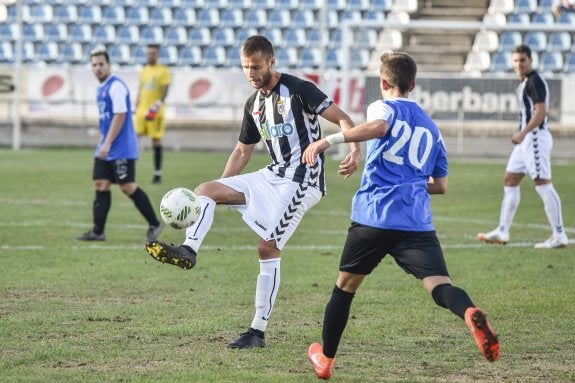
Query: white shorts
274	205
533	155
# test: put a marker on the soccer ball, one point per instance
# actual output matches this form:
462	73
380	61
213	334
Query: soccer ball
179	208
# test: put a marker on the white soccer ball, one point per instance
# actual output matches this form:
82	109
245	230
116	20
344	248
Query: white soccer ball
180	208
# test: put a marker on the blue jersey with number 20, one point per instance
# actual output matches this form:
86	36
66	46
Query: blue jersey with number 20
393	193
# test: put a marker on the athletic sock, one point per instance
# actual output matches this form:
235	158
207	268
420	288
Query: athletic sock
509	205
335	320
196	233
266	291
158	156
100	209
552	204
143	204
452	298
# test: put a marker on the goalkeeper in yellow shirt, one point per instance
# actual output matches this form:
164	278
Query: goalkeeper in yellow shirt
153	85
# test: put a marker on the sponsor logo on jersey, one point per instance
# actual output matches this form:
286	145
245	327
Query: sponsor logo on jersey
268	131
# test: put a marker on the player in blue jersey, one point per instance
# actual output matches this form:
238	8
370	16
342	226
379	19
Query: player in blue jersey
391	210
117	151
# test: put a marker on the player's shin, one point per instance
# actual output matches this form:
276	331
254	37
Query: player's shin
509	205
196	233
335	320
266	292
552	204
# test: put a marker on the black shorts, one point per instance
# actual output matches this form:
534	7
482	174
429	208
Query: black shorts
119	171
417	252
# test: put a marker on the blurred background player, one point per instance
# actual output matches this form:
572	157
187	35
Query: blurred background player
154	82
391	211
531	155
117	151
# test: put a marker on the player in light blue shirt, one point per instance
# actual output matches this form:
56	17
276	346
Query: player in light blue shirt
406	161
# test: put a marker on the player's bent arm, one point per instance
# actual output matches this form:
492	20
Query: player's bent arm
537	118
334	114
115	127
438	186
238	159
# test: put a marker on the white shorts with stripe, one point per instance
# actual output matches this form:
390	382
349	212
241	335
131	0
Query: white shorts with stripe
533	155
274	205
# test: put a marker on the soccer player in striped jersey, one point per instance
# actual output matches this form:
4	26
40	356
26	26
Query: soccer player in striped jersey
391	210
283	112
531	155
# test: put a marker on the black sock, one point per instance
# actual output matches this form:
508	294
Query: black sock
100	209
143	204
158	156
335	320
452	298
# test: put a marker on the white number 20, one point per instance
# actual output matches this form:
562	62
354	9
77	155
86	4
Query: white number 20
403	130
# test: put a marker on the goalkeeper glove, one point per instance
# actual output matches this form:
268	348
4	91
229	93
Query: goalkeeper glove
153	111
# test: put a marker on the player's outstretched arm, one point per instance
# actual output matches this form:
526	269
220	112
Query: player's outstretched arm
238	159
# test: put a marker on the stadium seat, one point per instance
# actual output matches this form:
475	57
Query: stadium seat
501	6
350	15
138	55
8	32
66	14
214	56
477	61
495	19
114	15
200	37
501	62
6	52
535	59
47	52
551	62
408	6
333	59
332	19
240	4
279	18
274	35
233	58
287	58
263	4
243	33
391	39
486	41
314	38
287	4
398	17
509	40
216	4
545	6
335	38
569	64
89	14
184	17
138	16
128	34
28	52
190	56
518	18
208	17
162	17
169	55
303	19
148	3
542	18
525	6
193	4
365	38
567	18
255	18
169	3
381	5
40	13
224	37
559	42
71	53
336	5
104	34
536	40
310	58
372	15
33	32
232	18
176	36
358	5
295	38
56	32
359	59
80	33
119	54
151	35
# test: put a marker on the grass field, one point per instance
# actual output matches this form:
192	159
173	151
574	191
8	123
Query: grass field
107	312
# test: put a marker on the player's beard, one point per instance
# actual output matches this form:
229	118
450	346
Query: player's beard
266	79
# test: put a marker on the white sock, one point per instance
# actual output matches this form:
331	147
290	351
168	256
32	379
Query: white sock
266	291
196	233
509	205
552	204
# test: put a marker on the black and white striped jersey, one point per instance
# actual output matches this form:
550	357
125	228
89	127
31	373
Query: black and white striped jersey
287	120
532	90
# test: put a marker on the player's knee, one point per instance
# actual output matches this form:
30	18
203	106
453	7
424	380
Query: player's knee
128	188
268	249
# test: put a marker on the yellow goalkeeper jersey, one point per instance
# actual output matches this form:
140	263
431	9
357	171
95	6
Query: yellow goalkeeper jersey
151	81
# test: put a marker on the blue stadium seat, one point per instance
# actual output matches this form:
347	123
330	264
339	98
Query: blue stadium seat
216	4
274	35
335	38
56	32
525	6
263	4
66	14
381	5
28	52
337	5
567	18
71	53
314	38
372	15
569	64
303	19
243	33
287	4
89	14
542	18
332	19
545	6
358	5
161	16
255	18
295	38
169	3
6	52
232	17
333	59
184	17
119	54
214	56
80	33
501	62
200	37
193	4
313	5
176	36
138	55
518	18
47	52
240	4
559	42
310	58
233	59
138	16
151	35
125	3
114	15
208	17
8	31
350	15
365	38
509	40
359	59
169	55
536	40
224	37
287	58
551	62
33	32
41	13
280	18
190	56
148	3
128	34
104	34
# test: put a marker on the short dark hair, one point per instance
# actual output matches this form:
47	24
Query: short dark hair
398	69
524	49
100	52
154	46
257	43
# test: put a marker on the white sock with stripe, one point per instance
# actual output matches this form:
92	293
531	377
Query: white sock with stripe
552	204
196	233
266	291
509	205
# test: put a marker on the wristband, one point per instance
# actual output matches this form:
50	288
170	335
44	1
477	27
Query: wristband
336	138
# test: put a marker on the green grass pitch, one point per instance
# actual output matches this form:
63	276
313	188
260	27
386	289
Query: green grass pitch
107	312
